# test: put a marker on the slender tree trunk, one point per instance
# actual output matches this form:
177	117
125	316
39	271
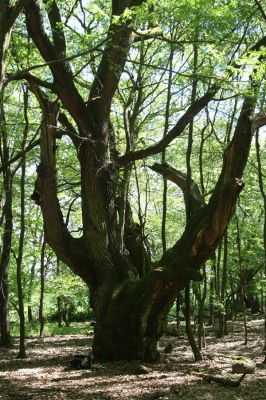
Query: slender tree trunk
122	206
178	308
201	332
166	127
4	264
244	316
19	259
30	289
263	194
59	299
222	319
190	334
218	286
59	311
218	274
41	305
243	283
32	274
211	297
5	250
66	312
30	314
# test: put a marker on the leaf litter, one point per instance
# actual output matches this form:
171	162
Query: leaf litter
45	375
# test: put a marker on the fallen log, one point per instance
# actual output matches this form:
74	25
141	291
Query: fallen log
224	381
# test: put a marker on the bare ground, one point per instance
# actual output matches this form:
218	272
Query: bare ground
45	373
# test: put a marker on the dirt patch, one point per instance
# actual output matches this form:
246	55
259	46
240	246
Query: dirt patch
45	375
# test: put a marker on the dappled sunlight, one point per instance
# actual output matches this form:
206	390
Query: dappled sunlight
45	373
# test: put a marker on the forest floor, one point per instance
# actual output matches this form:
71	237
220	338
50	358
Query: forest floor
45	373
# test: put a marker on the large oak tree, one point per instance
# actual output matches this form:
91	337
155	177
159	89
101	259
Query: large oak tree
129	294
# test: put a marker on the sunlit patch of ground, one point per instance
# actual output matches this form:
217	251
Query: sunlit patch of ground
44	374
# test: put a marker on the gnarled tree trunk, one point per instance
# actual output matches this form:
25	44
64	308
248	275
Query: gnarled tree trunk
130	302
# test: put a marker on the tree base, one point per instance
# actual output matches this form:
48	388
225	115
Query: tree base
124	345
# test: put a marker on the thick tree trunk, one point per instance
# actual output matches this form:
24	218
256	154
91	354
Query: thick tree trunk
127	330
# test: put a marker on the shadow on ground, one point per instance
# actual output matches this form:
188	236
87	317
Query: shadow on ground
45	374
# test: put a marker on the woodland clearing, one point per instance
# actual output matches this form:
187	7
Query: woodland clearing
45	374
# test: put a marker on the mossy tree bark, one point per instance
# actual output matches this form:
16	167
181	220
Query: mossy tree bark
130	300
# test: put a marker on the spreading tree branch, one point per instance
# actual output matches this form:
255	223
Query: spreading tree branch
68	249
63	78
119	40
56	26
180	179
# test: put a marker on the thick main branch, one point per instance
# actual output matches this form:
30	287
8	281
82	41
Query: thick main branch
70	250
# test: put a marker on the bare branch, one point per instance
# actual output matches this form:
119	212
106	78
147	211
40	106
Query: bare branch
61	59
175	132
20	154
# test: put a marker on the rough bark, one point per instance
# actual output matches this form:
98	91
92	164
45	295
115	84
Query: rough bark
8	16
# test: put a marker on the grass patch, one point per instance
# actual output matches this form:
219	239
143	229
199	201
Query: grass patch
51	328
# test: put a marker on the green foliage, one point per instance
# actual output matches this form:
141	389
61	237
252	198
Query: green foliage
51	329
222	31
